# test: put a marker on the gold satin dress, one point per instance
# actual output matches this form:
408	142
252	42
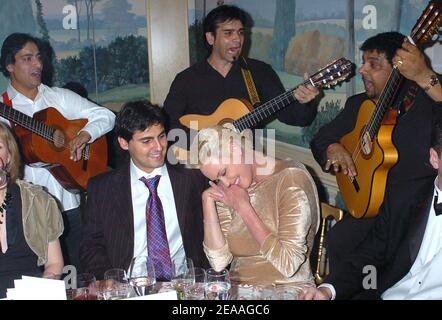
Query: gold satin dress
287	203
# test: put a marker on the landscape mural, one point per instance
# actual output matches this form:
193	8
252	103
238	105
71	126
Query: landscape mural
103	47
297	36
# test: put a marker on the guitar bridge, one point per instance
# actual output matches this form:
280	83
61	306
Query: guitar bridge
86	155
355	184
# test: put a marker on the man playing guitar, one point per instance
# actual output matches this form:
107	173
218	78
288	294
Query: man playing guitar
21	62
411	136
201	88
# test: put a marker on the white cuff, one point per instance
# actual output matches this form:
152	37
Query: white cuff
331	288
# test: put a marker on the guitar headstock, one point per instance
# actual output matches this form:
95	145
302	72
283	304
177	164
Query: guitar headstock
428	23
332	74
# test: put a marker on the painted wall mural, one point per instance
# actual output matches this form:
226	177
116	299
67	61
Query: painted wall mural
297	36
103	46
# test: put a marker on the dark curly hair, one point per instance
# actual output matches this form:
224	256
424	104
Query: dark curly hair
137	115
387	42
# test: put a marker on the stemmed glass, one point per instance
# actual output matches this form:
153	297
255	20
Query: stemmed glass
86	287
196	290
182	275
116	285
142	275
218	285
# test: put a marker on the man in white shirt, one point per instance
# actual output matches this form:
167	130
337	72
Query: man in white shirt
116	226
21	62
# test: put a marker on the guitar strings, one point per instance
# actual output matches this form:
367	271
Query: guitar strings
288	97
377	116
379	113
32	125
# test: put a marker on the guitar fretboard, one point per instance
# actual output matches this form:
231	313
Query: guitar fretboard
330	75
265	110
425	27
27	122
384	102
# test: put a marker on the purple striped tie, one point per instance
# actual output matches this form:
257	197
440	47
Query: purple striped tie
157	244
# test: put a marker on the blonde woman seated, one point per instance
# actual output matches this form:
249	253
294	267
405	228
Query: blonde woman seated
30	222
260	214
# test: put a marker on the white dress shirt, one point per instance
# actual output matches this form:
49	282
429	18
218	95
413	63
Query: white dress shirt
423	281
71	106
140	194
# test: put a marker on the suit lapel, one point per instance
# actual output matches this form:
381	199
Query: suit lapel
122	198
418	223
180	187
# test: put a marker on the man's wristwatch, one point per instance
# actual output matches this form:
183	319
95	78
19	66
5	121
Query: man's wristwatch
433	81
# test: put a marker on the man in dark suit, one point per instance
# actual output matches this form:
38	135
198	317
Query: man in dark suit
380	247
411	135
116	222
410	270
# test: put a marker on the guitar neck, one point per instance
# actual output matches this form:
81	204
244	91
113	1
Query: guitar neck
266	110
425	27
26	122
385	101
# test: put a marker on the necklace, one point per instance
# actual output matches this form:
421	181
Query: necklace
4	205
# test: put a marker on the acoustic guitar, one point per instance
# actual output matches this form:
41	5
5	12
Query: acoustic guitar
241	113
370	142
36	135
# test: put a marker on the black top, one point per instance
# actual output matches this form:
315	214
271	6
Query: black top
19	259
200	89
408	183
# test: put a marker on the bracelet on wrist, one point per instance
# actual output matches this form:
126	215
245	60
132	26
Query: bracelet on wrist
433	81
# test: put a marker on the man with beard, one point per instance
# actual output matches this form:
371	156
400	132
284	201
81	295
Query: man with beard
350	238
201	88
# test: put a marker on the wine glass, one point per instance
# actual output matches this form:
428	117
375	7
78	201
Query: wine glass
86	287
142	275
196	291
116	285
218	285
182	275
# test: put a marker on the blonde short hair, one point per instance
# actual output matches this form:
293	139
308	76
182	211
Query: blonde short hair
214	142
14	166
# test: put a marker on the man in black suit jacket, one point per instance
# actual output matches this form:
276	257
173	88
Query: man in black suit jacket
411	135
411	269
382	242
114	227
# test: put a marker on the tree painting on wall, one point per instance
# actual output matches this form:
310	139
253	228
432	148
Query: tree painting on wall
297	36
101	44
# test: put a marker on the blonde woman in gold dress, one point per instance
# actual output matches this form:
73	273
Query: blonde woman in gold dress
260	214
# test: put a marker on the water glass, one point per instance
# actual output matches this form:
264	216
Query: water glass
217	285
286	293
196	291
142	275
263	292
182	275
116	285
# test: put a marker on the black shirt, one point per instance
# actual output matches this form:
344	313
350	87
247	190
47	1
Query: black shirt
200	89
407	185
19	259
